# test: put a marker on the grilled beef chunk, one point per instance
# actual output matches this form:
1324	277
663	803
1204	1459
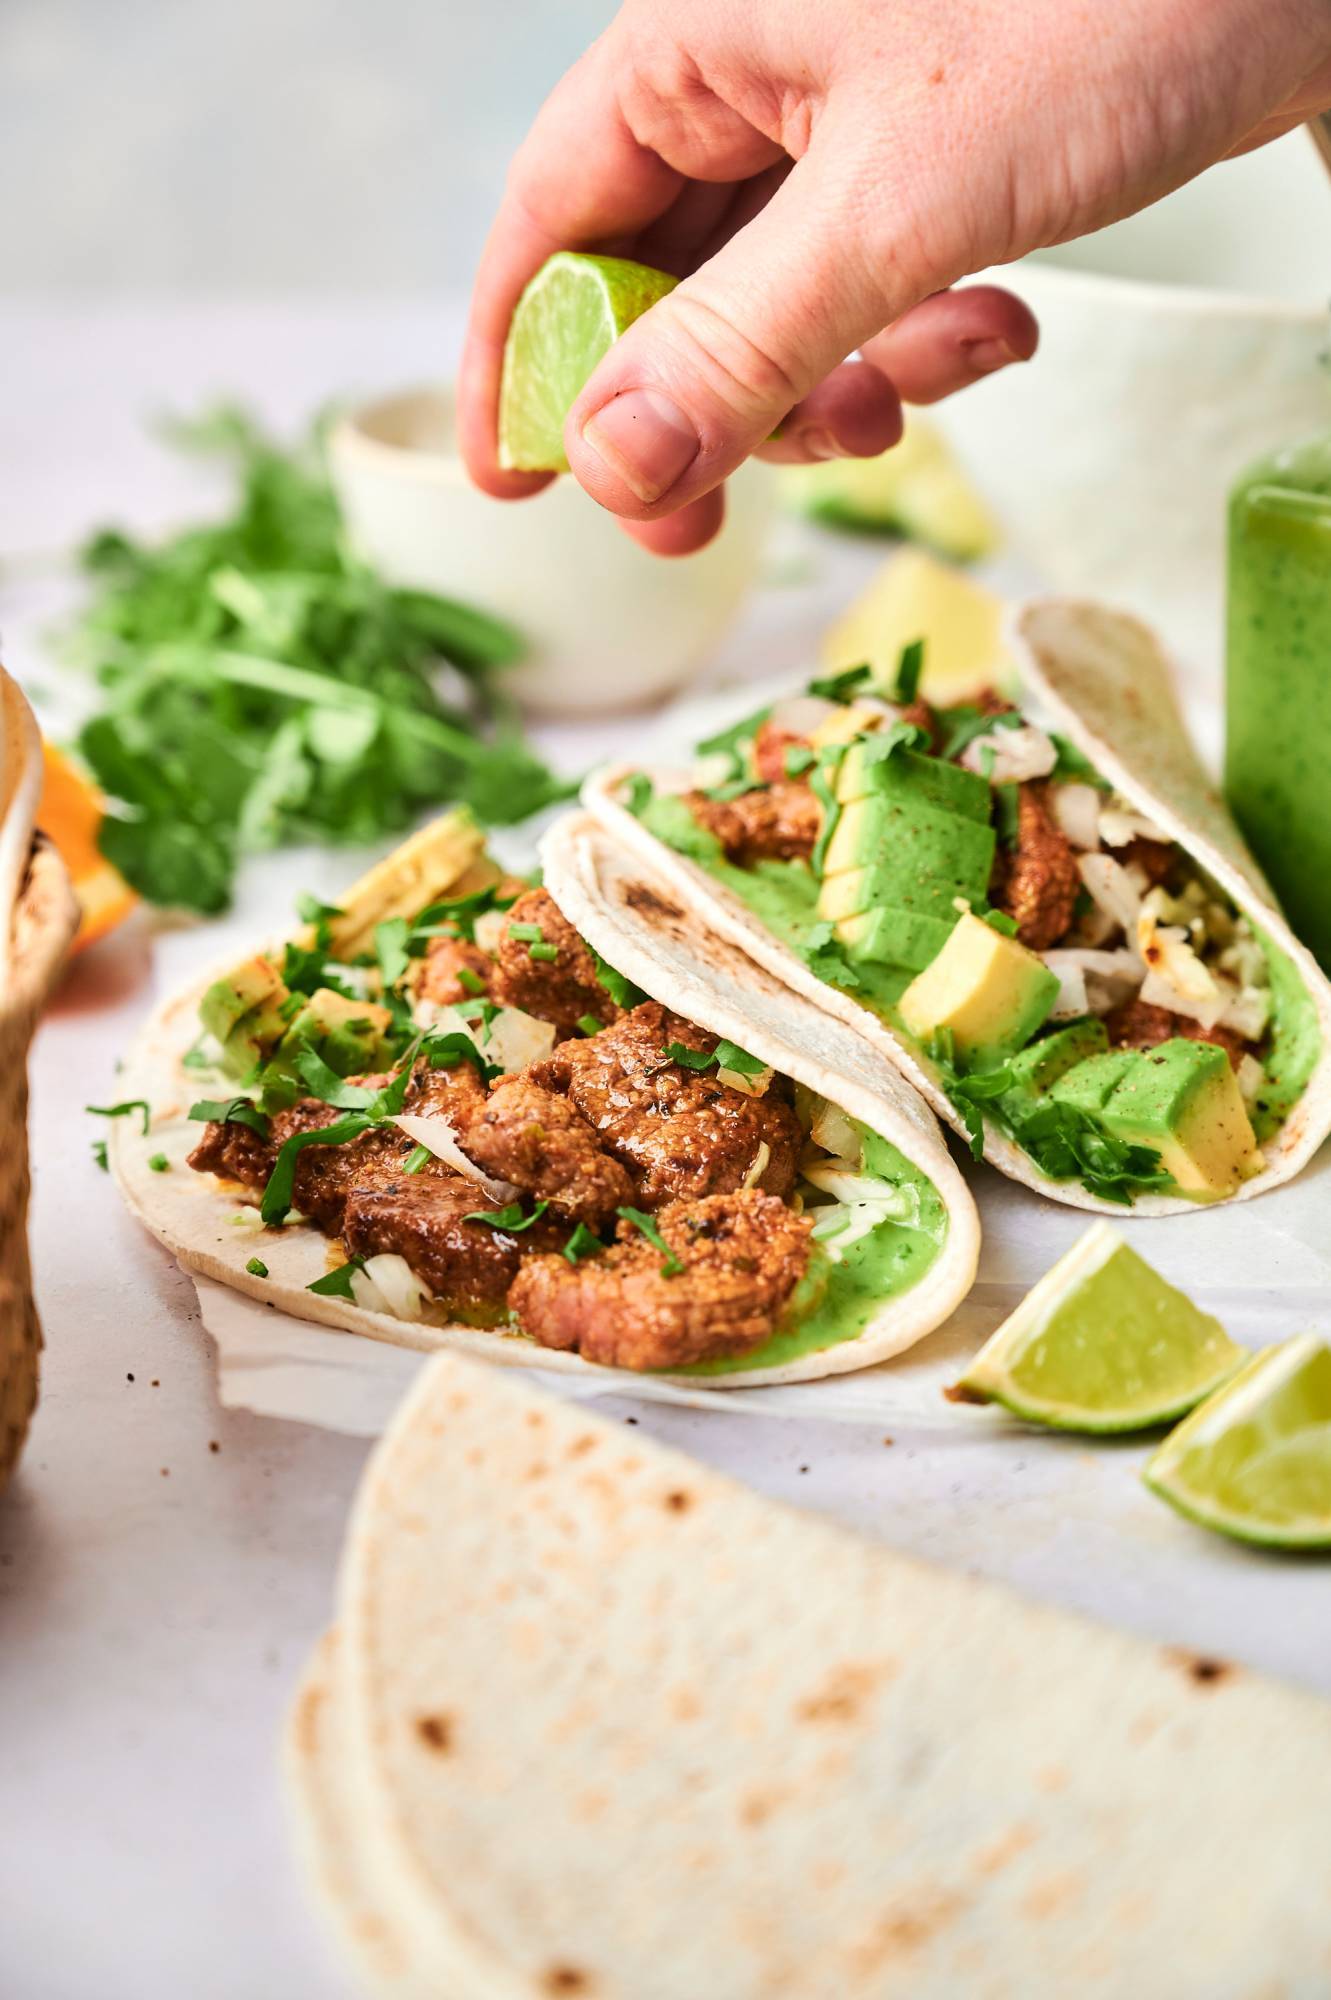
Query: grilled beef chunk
234	1152
1039	884
779	823
536	1139
743	1255
680	1132
469	1266
1155	858
1137	1024
445	961
561	990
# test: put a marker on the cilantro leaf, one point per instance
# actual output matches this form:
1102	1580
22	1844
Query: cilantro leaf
336	1284
906	688
230	1111
582	1243
842	687
257	1268
277	1195
726	1055
621	990
509	1217
159	1163
390	949
139	1104
671	1265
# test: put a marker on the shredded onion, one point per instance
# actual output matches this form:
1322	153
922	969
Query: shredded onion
491	930
1070	1000
1120	824
1248	1013
1019	754
1110	888
1176	978
748	1086
759	1166
517	1038
835	1131
388	1284
1077	810
838	1178
1251	1077
438	1137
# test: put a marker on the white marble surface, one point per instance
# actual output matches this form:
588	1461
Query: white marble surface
157	1595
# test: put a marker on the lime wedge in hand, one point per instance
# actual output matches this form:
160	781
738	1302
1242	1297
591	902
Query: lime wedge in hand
571	313
1255	1460
1102	1343
917	489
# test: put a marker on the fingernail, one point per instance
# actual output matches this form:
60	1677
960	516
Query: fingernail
983	356
820	444
645	438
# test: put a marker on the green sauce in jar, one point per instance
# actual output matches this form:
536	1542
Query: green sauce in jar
1278	744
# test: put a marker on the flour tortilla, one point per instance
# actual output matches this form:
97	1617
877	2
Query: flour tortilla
1106	684
599	1722
727	994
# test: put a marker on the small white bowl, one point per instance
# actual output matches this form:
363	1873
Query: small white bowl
609	627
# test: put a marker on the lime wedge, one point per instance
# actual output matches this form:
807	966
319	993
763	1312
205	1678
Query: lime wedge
573	310
1255	1460
916	489
1102	1343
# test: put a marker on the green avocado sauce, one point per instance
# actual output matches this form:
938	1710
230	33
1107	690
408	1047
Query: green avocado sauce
837	1298
1296	1044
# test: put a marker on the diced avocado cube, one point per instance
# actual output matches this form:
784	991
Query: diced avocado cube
1039	1066
909	774
894	937
347	1033
921	857
1182	1099
1088	1085
989	990
252	985
253	1037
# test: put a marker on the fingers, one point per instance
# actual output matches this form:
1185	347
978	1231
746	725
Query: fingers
953	339
854	412
706	375
619	187
684	532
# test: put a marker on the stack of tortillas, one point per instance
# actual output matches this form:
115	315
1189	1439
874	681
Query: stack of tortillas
594	1721
38	917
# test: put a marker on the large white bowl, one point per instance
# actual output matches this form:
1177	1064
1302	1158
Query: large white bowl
1110	456
609	627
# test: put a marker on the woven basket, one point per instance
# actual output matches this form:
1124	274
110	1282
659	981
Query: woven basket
38	916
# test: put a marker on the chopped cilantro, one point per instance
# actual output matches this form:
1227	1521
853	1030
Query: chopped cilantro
277	1195
330	1088
798	759
589	1024
337	1284
823	788
159	1163
671	1265
726	1055
390	949
99	1154
621	990
687	1058
196	1057
447	1051
582	1243
1073	763
454	916
469	981
909	668
1007	808
547	954
257	1268
230	1111
733	742
842	687
509	1217
527	933
999	920
418	1157
139	1104
637	792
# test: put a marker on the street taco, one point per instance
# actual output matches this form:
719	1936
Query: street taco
1039	910
443	1113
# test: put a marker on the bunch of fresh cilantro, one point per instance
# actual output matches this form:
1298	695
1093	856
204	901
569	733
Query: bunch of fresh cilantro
262	686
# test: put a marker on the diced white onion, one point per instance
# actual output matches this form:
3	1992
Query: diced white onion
438	1137
388	1284
1108	885
801	714
1018	755
1077	810
839	1180
687	778
1120	823
517	1038
1175	977
249	1219
491	930
759	1167
1251	1077
1070	1000
836	1228
835	1131
1248	1013
749	1086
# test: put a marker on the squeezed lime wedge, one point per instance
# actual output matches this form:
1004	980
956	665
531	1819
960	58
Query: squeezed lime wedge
570	314
1102	1343
1255	1460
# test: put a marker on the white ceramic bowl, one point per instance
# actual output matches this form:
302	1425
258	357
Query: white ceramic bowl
1110	456
609	627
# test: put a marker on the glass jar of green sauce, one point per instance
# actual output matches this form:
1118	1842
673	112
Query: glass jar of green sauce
1278	738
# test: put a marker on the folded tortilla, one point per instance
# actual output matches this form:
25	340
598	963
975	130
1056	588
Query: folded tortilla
597	1722
1105	683
713	984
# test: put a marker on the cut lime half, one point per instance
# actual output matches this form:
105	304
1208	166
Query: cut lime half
571	313
1102	1343
1255	1460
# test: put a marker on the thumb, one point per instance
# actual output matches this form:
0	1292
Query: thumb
704	377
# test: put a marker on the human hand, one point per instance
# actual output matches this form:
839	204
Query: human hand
818	172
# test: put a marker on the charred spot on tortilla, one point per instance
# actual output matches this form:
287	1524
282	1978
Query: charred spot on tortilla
567	1979
1203	1669
678	1501
650	902
436	1732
